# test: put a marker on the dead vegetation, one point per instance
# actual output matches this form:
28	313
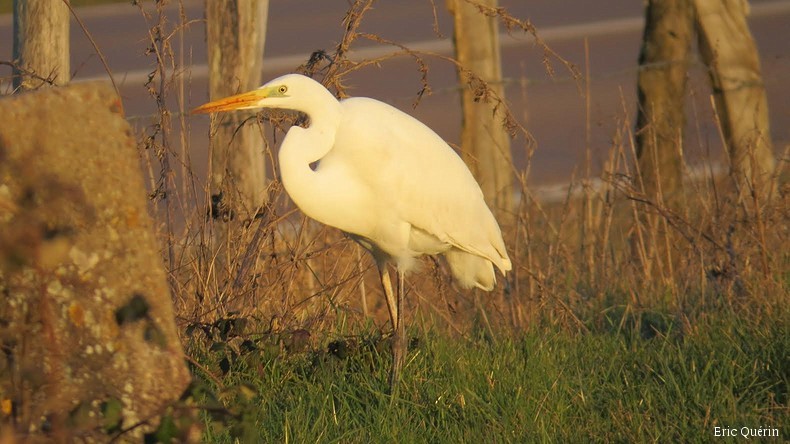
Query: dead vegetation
602	246
573	260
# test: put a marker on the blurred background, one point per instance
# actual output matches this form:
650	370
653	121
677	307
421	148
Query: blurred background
551	105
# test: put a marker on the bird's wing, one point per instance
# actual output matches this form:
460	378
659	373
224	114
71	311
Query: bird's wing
418	178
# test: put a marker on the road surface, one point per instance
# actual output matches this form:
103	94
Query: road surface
552	107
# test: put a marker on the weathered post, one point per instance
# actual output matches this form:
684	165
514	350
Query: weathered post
236	32
729	50
661	86
41	43
485	143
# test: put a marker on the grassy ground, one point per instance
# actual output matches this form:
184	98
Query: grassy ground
622	381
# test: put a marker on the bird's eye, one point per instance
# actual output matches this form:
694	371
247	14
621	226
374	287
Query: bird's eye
282	89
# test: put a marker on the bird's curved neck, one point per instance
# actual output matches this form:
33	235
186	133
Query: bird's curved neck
303	146
314	142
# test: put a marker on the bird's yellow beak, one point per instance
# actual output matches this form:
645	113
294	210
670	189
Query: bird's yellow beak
246	100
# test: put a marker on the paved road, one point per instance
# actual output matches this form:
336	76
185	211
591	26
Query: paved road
553	108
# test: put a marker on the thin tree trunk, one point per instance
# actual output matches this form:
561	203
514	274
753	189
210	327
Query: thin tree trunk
236	31
661	85
41	43
728	48
485	143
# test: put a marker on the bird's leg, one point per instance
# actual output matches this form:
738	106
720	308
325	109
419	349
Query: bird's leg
400	332
392	304
394	309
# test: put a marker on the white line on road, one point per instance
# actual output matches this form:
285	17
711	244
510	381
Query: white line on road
444	46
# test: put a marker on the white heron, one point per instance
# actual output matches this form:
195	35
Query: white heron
387	180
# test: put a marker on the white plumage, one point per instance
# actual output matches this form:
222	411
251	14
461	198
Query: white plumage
384	178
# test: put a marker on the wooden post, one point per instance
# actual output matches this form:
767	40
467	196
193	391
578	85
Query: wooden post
41	43
661	85
485	143
728	48
236	32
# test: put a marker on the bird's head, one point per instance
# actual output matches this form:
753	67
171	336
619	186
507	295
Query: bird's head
285	92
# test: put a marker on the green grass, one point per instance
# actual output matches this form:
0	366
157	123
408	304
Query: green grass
548	385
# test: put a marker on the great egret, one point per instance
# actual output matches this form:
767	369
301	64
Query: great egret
387	180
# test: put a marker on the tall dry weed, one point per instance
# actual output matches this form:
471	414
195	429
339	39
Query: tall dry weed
607	244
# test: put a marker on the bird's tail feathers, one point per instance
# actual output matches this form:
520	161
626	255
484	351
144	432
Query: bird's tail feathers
471	270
